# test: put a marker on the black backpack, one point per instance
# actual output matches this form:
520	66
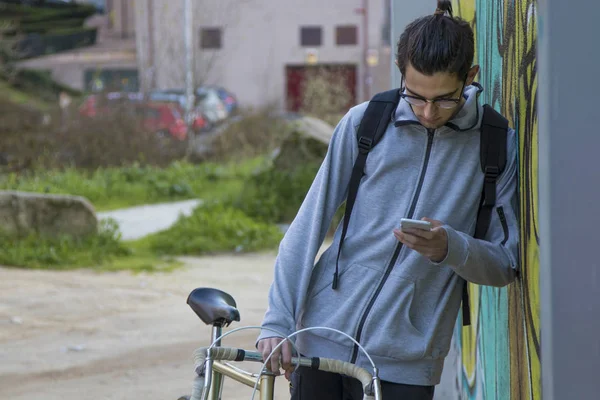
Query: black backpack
377	117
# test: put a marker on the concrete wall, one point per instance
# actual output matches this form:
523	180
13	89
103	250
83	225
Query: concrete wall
260	37
569	193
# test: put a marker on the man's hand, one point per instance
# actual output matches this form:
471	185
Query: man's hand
283	354
431	244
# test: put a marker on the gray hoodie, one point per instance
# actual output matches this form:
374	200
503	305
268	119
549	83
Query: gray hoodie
402	312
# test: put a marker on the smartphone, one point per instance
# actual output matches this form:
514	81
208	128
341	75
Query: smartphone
406	223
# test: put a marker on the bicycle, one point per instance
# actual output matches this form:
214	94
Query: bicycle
219	309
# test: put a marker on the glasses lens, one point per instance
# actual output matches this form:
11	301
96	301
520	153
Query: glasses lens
447	104
415	101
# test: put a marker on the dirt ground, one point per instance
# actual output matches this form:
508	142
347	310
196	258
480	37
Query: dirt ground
80	334
86	335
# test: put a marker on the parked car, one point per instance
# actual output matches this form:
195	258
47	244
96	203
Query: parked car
208	102
100	104
169	95
228	98
163	119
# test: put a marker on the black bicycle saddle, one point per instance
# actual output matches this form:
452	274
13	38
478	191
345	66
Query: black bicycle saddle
213	306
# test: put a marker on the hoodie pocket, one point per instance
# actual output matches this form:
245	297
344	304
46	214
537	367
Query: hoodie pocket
341	308
390	330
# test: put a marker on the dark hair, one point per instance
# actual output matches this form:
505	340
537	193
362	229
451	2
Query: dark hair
437	43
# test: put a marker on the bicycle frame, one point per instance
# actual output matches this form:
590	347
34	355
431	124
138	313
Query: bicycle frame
220	370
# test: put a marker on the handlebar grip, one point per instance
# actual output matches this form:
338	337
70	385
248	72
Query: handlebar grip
217	353
348	369
197	388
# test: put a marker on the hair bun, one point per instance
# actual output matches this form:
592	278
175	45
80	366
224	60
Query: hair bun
444	7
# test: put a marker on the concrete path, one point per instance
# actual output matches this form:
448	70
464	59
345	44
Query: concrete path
137	222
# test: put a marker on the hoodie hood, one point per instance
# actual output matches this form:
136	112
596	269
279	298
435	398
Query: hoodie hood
468	118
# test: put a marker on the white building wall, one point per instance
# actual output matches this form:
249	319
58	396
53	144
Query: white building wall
260	37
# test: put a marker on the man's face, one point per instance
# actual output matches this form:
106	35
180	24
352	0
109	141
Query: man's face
439	86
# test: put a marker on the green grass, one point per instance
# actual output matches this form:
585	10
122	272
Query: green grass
239	213
212	228
215	227
104	251
112	188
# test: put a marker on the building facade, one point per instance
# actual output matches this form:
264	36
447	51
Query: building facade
261	50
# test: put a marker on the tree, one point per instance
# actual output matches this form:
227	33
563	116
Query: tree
8	50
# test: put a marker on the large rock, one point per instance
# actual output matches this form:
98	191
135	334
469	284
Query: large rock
23	213
307	142
314	128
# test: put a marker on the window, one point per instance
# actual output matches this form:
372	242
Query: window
346	35
310	36
211	38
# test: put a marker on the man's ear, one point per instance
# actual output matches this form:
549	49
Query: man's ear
472	74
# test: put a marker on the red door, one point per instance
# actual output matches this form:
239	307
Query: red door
297	76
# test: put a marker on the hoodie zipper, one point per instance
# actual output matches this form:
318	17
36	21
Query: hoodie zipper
502	217
390	267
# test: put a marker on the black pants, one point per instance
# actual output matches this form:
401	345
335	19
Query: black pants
309	384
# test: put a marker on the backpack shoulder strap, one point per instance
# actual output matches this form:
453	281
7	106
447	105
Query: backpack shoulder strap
494	128
378	115
373	125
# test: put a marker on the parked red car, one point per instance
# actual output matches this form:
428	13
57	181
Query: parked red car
163	118
97	104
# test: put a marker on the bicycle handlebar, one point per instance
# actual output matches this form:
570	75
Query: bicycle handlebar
370	385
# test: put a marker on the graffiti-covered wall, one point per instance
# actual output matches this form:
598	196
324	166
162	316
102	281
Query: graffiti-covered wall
500	351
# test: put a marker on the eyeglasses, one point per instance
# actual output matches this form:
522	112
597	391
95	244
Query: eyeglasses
444	103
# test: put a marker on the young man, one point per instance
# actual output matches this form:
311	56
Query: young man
398	291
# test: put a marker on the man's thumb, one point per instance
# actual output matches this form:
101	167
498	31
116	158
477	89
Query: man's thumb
434	222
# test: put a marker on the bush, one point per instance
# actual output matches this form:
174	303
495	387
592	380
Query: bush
105	252
87	143
46	26
113	141
40	84
325	95
63	252
213	228
8	45
254	133
52	11
16	118
274	195
50	42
